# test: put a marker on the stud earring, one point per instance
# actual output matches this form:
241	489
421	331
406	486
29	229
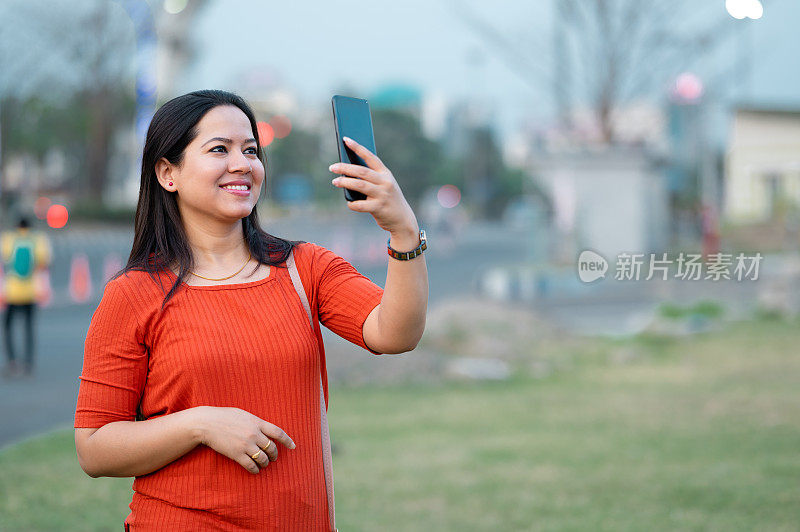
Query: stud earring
170	183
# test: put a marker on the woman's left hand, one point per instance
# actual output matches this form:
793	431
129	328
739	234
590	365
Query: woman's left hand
385	200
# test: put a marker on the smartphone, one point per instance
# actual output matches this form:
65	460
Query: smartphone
351	118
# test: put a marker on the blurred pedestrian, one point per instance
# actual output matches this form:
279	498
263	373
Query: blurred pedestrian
192	381
24	253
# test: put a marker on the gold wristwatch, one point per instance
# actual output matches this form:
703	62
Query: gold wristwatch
408	255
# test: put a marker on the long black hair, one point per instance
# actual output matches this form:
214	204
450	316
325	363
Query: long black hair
160	239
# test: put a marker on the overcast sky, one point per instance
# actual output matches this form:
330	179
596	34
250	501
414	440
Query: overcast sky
316	46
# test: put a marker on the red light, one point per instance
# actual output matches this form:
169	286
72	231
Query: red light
57	216
265	134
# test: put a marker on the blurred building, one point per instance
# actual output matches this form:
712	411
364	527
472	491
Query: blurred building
610	200
762	165
396	96
460	121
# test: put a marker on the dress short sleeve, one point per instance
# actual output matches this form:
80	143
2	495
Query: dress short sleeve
114	362
345	297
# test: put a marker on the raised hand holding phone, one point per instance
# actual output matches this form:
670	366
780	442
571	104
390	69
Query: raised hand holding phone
368	185
384	199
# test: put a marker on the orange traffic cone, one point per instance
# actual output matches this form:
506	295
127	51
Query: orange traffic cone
80	283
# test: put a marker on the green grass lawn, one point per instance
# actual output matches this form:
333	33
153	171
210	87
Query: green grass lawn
699	433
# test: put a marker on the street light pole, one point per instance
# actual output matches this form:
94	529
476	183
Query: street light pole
743	10
745	66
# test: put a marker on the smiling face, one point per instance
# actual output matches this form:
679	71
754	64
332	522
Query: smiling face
224	152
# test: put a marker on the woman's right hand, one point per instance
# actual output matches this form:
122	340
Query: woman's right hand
239	435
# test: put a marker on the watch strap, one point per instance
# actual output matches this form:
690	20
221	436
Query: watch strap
408	255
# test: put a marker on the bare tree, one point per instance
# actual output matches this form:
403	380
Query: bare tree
62	50
105	51
608	52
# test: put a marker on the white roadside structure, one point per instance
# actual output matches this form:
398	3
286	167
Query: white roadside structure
611	201
762	164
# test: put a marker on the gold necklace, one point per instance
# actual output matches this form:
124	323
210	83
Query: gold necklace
250	256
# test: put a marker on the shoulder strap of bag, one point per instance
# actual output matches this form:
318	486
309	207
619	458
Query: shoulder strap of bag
298	285
327	461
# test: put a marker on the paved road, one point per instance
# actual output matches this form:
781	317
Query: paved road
455	266
47	400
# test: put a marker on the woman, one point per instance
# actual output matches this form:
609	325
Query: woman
223	369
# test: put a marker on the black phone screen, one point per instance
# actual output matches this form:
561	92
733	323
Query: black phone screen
352	119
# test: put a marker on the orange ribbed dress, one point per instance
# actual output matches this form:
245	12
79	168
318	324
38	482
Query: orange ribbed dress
246	345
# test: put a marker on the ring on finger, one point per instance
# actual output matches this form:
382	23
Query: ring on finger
255	455
266	448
